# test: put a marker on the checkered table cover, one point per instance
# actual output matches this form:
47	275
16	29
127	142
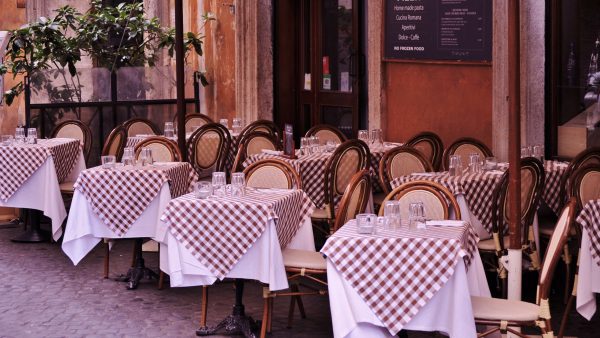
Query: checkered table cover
477	189
120	195
218	231
311	169
20	161
396	272
589	218
555	171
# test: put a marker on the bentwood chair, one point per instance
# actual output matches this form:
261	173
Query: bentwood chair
326	133
349	158
464	147
208	148
585	187
430	145
532	185
251	144
75	129
115	143
508	314
163	149
310	265
136	126
584	158
396	162
272	173
438	201
264	126
194	120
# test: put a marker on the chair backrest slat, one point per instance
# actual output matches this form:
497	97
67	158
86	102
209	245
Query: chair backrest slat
430	145
163	149
355	199
208	147
400	161
272	173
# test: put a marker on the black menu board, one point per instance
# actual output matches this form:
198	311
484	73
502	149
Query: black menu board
454	30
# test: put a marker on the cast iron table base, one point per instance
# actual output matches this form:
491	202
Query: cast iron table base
237	322
139	271
33	234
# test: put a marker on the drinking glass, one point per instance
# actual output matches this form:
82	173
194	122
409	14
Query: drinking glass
203	189
538	152
330	146
474	163
238	182
218	183
169	130
366	223
455	165
128	156
236	125
491	163
6	140
525	152
305	145
224	122
108	161
315	144
391	212
146	156
363	135
416	215
376	137
20	134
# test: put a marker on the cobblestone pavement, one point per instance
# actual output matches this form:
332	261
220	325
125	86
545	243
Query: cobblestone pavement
43	295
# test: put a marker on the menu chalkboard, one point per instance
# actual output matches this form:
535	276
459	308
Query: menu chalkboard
455	30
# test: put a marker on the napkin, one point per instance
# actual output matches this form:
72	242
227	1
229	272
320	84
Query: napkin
423	174
445	223
272	152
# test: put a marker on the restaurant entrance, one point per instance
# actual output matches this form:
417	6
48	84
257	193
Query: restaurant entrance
319	64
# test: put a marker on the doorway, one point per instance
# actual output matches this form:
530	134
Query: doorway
319	64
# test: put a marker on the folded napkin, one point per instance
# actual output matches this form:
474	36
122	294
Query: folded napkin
497	172
392	144
445	223
272	152
423	174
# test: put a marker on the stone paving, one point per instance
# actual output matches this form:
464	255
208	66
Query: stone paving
43	295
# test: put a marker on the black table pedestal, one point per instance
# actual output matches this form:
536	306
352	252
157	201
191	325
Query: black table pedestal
33	234
237	322
139	270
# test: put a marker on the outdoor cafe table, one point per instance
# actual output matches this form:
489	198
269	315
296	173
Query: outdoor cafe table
473	192
311	169
588	281
30	176
121	202
406	278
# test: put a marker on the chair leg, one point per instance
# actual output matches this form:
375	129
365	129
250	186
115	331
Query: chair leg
265	318
133	257
204	306
161	280
106	258
299	302
270	319
291	312
565	317
567	259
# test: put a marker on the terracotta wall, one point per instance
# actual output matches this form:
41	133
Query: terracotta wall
448	99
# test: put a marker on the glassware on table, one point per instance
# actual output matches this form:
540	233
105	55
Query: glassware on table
128	157
391	214
366	223
146	157
330	146
236	125
20	135
376	138
108	161
238	184
315	145
491	163
455	166
538	152
363	135
526	152
416	215
6	140
32	135
224	122
474	163
169	130
305	145
203	189
218	183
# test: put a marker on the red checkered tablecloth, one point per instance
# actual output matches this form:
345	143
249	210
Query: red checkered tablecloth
589	218
555	171
477	189
396	272
118	196
20	161
219	231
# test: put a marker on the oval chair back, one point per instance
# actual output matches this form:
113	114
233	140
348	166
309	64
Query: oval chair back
195	121
590	156
208	147
251	144
326	133
437	199
430	145
137	126
585	184
115	143
75	129
464	147
355	199
400	161
163	149
272	173
264	126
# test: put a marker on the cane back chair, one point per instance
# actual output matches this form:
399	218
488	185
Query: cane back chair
264	126
208	147
587	157
75	129
251	144
192	121
507	314
326	133
272	173
137	126
163	149
430	145
437	200
310	265
464	147
115	143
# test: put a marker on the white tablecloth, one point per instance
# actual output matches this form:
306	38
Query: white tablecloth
41	191
85	229
263	261
449	311
588	282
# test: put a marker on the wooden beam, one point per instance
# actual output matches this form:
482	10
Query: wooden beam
180	74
